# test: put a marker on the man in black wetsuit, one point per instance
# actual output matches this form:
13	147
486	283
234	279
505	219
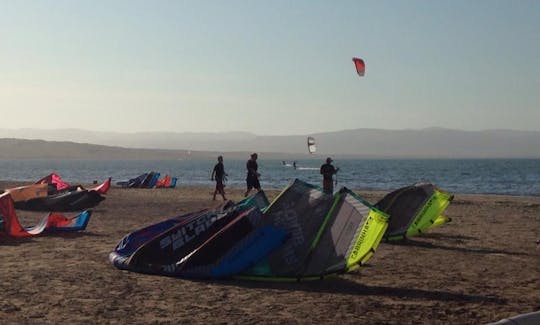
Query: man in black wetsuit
252	178
219	175
328	171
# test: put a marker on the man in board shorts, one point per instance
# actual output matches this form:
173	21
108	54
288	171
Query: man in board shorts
328	171
219	175
252	178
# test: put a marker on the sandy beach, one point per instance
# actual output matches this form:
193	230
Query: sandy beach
482	267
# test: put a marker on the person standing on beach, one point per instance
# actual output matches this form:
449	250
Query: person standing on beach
328	171
219	174
252	178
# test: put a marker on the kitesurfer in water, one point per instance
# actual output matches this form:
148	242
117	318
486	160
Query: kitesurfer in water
219	174
252	178
328	171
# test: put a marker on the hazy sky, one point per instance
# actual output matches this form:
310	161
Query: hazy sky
269	67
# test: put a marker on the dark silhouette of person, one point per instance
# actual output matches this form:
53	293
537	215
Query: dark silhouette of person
328	171
219	174
252	178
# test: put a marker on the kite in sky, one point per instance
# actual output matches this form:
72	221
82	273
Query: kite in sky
360	66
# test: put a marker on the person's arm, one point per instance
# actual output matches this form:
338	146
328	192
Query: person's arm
213	174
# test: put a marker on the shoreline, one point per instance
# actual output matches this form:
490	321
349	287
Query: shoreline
368	192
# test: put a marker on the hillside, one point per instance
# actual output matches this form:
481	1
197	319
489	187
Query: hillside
358	143
40	149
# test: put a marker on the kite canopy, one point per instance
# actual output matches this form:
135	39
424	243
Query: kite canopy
326	234
11	227
62	202
414	209
303	234
54	180
47	195
27	192
149	180
177	246
104	187
311	145
360	66
165	182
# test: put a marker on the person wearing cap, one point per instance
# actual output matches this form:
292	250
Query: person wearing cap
252	178
328	171
219	175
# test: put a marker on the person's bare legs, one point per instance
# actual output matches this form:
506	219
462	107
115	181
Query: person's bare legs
223	195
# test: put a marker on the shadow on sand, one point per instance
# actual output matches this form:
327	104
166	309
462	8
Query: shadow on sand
11	241
447	236
71	234
16	241
424	244
344	286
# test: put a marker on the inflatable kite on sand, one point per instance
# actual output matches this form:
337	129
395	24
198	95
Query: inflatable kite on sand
11	227
149	180
304	234
57	182
414	210
63	202
52	194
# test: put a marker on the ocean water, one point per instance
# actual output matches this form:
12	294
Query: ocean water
482	176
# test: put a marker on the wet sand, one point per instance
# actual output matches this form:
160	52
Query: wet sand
480	268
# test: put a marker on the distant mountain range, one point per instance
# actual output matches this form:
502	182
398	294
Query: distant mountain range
358	143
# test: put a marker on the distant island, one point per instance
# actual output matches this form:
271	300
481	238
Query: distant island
358	144
40	149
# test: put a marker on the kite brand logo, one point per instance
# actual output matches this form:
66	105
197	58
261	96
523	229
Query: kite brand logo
170	268
360	239
185	234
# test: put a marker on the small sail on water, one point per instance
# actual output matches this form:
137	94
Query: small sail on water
312	147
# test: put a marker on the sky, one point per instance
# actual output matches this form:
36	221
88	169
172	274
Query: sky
269	67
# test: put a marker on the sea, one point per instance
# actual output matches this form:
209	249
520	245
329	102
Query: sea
519	177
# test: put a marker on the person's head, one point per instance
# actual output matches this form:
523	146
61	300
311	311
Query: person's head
254	156
220	158
329	160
